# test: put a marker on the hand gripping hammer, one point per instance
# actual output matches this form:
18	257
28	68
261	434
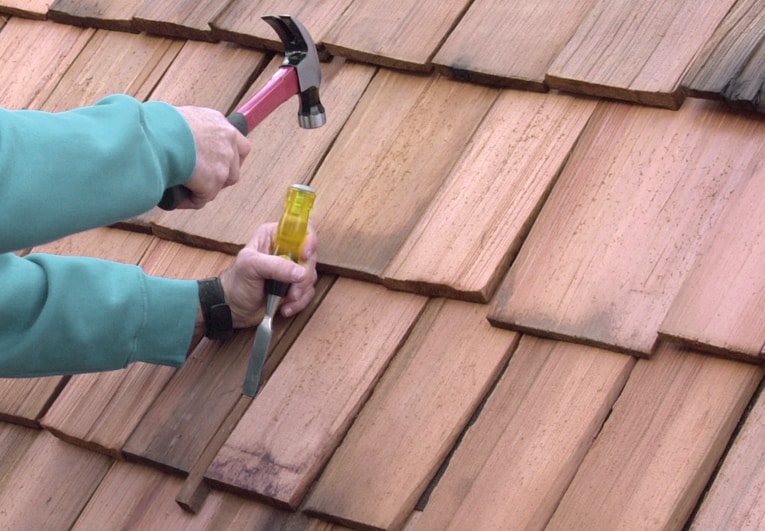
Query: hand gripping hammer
299	74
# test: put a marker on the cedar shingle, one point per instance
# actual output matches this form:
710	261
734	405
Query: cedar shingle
623	225
516	461
660	444
465	241
500	42
106	14
636	51
420	407
387	165
302	413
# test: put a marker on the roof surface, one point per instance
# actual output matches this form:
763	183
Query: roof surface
541	253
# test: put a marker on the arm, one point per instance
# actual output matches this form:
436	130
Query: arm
89	167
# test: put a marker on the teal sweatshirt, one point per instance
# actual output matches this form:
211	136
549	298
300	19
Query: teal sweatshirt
62	173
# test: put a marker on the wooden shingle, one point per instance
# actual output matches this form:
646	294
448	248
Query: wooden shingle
297	420
660	444
718	307
622	227
464	243
499	42
33	58
189	19
403	35
106	14
636	51
387	165
517	459
421	405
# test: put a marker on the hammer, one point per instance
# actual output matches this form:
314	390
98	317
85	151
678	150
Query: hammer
300	74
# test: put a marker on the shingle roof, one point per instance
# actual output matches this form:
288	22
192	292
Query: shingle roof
540	256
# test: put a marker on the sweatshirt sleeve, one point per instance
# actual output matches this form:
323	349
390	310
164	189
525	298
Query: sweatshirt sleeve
66	172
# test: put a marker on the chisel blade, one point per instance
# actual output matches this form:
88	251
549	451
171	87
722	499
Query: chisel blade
257	357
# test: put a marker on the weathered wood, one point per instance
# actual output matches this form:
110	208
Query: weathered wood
113	62
33	58
515	462
188	19
136	497
50	484
420	407
25	400
401	34
728	50
747	91
15	442
106	14
623	226
718	307
202	74
736	499
241	21
464	243
283	154
302	413
500	43
34	9
388	164
636	51
101	410
191	409
663	439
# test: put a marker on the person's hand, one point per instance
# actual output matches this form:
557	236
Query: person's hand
221	149
244	283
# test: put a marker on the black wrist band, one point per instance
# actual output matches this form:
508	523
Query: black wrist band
216	313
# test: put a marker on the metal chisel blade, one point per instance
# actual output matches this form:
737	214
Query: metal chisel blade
257	357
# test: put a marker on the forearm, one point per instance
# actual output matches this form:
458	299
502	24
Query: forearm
90	167
66	315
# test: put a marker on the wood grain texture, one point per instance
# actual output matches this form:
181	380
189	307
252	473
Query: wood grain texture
636	51
728	51
388	164
516	461
465	241
283	154
499	43
34	9
403	34
736	499
33	58
101	410
187	19
113	62
718	307
15	442
190	410
300	416
663	439
241	21
106	14
50	485
623	226
136	497
747	91
419	408
25	400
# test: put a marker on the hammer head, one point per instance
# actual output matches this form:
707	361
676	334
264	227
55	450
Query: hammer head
300	53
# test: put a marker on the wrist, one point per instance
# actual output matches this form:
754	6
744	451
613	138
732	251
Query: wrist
216	313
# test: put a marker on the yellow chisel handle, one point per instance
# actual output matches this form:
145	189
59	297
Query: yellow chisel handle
292	230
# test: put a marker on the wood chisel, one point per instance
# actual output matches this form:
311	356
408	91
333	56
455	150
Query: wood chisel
290	235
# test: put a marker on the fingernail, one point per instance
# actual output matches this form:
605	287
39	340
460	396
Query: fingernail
286	312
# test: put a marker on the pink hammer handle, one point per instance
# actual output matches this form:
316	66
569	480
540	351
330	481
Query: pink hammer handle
281	87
